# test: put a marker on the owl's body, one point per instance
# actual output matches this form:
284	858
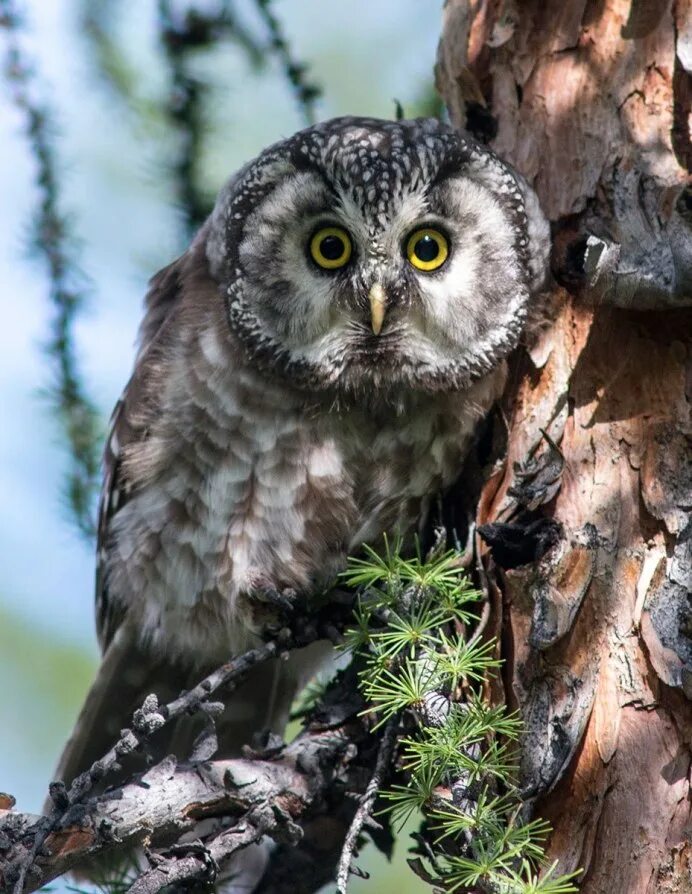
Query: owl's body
296	396
245	482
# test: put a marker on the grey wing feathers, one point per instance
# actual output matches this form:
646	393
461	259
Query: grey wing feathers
162	296
125	427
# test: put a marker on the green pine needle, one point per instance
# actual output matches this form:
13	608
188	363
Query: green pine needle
460	661
486	818
391	692
387	575
526	881
408	632
405	800
407	627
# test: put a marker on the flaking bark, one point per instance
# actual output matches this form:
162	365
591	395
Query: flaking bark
256	798
591	101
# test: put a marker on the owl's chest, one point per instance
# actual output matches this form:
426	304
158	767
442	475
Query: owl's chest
330	482
283	493
271	497
293	494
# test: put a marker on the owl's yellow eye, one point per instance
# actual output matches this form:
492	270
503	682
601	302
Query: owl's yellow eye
330	248
427	249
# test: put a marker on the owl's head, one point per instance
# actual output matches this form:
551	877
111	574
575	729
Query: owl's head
372	254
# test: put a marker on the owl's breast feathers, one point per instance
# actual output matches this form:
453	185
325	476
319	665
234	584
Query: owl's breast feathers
219	480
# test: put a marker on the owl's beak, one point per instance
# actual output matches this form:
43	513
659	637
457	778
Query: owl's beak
378	305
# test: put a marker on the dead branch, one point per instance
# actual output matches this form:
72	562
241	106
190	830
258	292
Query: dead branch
364	811
258	797
30	838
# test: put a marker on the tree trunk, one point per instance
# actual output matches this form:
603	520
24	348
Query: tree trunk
591	102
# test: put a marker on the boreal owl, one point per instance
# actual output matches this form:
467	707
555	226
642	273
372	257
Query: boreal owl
309	374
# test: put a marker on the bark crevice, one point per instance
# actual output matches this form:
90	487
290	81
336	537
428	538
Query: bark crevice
592	105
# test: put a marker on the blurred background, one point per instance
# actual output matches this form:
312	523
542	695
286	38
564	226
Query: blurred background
148	107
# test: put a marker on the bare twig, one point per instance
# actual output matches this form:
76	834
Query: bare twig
197	862
306	93
185	105
184	33
145	721
122	75
194	866
259	797
384	759
53	242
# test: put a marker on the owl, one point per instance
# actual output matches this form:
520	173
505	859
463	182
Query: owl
309	375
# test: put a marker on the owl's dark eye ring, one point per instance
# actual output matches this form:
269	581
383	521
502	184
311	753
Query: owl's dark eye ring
427	249
330	248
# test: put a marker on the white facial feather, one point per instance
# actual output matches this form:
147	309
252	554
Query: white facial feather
441	328
452	301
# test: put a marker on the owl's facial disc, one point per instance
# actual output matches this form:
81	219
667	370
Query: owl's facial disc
375	255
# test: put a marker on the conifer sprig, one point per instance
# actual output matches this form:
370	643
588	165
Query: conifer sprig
457	754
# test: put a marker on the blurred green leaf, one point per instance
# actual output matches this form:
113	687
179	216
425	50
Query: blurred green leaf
49	678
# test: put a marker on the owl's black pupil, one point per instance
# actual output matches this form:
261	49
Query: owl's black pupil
426	249
332	247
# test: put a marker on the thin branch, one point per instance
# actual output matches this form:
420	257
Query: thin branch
185	105
184	33
145	721
306	92
53	242
122	75
197	862
383	764
193	867
260	797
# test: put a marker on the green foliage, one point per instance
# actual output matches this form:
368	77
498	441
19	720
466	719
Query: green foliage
411	634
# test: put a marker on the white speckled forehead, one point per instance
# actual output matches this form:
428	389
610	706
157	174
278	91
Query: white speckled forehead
374	165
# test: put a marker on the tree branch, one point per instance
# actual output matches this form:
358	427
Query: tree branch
53	242
263	797
146	720
384	759
127	825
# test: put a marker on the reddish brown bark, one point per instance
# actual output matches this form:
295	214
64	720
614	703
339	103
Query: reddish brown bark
591	101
